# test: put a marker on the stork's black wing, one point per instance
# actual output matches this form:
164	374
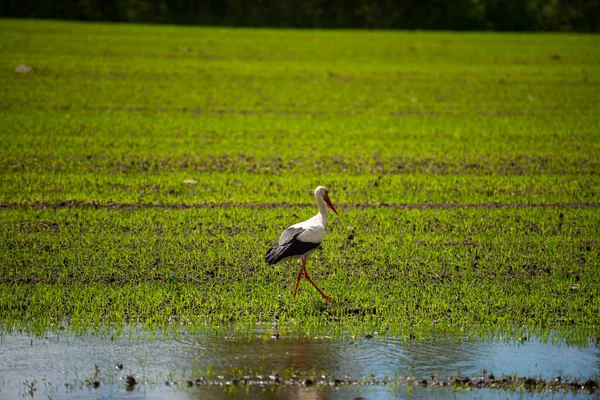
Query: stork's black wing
288	246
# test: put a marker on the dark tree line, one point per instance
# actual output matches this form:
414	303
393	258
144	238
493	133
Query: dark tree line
501	15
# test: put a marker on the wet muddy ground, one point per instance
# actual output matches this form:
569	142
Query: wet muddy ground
135	365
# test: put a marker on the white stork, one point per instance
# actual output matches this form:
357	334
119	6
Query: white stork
301	239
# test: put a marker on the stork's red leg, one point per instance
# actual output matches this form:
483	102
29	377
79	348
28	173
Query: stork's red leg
300	275
326	297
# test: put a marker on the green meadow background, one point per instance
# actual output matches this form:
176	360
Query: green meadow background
145	170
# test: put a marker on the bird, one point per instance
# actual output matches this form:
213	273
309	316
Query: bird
302	239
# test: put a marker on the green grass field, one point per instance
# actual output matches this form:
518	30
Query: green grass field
464	166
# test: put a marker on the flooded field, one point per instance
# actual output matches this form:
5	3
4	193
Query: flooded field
137	364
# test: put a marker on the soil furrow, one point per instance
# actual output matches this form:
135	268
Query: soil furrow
126	206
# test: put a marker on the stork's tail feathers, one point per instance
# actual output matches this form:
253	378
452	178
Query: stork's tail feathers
275	254
272	255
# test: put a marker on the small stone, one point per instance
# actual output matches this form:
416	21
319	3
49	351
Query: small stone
131	381
24	69
574	287
590	385
531	382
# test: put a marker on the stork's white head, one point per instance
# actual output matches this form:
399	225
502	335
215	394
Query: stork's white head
321	193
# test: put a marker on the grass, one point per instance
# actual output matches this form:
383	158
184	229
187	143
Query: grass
465	167
456	268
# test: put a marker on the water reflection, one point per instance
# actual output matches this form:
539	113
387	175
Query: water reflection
362	358
70	359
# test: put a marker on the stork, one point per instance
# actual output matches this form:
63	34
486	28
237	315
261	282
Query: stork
302	239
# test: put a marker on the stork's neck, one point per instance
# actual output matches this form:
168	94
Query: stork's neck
323	209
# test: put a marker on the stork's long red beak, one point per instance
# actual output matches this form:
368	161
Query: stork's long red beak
330	204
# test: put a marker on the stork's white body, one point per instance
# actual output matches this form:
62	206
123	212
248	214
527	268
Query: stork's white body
313	229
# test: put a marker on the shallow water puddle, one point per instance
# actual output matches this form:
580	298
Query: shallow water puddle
202	366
